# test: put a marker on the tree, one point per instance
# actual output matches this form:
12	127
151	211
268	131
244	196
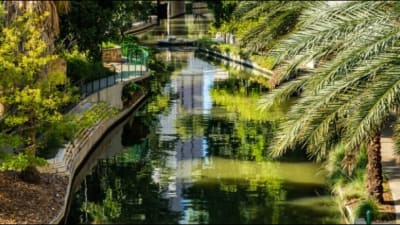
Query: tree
222	10
266	22
31	101
259	24
348	97
90	23
50	25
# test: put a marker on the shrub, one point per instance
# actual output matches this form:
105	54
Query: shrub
364	205
264	61
108	44
79	68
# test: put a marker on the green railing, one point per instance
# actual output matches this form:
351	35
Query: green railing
134	63
135	60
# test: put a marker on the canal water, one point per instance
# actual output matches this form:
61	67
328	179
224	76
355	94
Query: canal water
197	153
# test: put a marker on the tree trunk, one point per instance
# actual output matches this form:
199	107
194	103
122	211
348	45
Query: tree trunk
50	25
30	175
374	168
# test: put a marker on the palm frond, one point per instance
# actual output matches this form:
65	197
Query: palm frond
316	117
281	94
322	31
383	96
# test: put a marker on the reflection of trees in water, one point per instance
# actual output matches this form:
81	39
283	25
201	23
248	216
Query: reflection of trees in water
246	140
122	193
256	201
135	131
245	201
121	188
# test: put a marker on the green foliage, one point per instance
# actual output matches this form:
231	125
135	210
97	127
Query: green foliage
159	67
108	210
159	104
89	24
347	174
20	162
364	205
31	94
2	12
344	168
204	42
10	140
264	61
349	96
54	136
257	25
245	106
81	69
222	11
134	87
108	44
96	113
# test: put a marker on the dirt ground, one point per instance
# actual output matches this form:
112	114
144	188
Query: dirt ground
24	203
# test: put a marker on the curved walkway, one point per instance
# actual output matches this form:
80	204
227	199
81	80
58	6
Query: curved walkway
391	167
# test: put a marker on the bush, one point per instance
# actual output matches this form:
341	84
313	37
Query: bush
364	205
79	68
264	61
108	44
205	42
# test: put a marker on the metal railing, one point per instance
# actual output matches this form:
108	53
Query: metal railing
134	63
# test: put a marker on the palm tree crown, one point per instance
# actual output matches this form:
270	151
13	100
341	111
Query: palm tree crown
347	99
355	86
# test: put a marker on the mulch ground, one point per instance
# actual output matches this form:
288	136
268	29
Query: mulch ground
25	203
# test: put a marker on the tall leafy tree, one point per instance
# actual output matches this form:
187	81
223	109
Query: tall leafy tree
50	25
222	10
348	97
31	101
89	23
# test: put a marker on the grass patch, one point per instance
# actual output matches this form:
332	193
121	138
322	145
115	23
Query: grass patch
368	209
348	181
108	44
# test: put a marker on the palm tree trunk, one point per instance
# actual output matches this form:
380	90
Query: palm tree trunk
374	168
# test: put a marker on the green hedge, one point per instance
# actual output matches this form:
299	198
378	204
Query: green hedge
80	69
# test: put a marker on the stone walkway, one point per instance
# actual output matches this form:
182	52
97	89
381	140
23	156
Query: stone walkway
391	166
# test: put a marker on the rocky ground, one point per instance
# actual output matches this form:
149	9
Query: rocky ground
25	203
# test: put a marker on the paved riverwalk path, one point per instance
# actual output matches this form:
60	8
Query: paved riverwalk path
391	167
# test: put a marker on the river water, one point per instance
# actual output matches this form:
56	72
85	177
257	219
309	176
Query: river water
197	153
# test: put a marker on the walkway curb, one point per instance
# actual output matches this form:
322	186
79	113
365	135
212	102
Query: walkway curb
392	170
96	133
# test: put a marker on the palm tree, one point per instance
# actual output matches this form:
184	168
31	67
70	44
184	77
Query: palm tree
259	23
348	97
14	8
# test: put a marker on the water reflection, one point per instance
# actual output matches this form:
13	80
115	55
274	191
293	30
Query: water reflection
186	27
188	157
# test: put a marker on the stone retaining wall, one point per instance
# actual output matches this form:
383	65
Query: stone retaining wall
255	68
73	155
111	54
